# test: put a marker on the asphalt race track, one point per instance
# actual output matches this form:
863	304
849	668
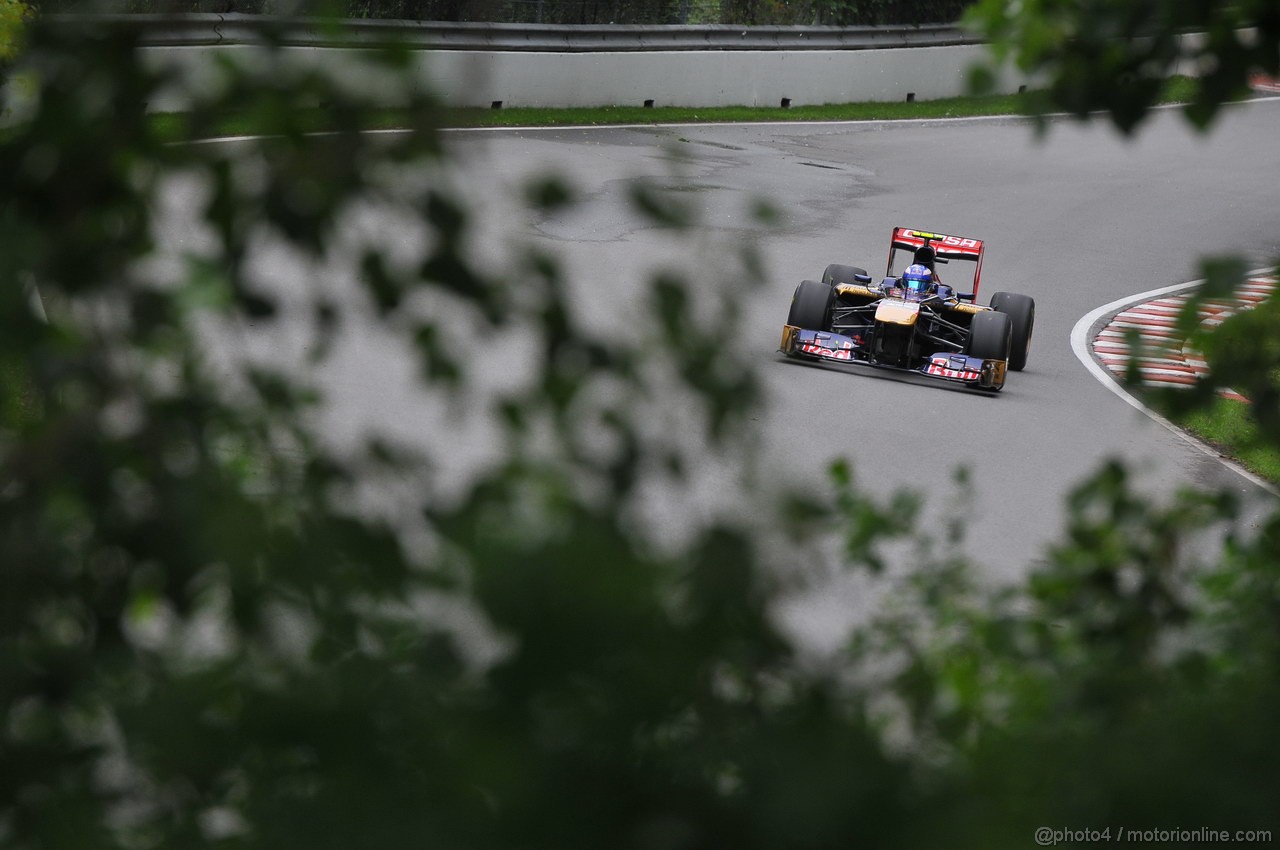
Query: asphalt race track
1076	220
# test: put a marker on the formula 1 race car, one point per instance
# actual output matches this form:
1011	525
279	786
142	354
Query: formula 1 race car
912	321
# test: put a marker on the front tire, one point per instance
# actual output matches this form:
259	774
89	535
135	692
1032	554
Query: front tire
836	274
1021	310
811	306
990	336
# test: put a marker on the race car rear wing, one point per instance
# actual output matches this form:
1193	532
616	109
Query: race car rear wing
945	249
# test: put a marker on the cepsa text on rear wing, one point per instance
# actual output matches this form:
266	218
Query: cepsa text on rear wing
945	247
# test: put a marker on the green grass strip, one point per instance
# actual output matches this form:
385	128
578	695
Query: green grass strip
1228	426
946	108
175	125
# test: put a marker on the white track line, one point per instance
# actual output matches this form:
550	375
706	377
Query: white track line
1080	346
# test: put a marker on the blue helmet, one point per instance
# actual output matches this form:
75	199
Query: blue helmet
917	278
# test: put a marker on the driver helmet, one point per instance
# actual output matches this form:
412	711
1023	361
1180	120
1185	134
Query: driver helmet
917	279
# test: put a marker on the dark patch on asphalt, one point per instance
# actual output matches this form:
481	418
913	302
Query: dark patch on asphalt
722	145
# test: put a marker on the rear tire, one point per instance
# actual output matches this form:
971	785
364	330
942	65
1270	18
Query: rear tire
1021	310
990	336
811	306
837	273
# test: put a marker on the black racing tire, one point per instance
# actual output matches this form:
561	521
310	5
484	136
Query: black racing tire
837	273
990	336
811	306
1021	310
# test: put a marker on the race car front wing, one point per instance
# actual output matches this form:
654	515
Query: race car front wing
945	365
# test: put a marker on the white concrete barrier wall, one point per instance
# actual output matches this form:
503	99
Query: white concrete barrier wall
676	78
703	78
717	78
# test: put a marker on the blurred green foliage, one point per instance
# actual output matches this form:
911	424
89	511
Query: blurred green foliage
1113	57
14	15
207	641
204	643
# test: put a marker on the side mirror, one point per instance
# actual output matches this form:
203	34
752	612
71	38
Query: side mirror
889	283
966	296
862	278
